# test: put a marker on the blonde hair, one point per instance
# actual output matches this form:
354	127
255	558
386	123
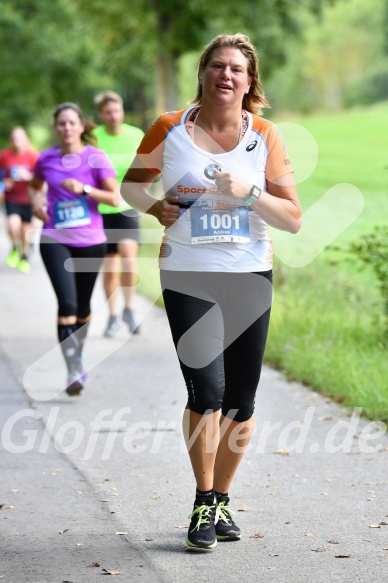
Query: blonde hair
105	97
255	99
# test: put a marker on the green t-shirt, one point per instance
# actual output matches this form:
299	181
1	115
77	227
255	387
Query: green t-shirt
121	150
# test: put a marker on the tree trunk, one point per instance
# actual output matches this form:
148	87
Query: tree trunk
166	98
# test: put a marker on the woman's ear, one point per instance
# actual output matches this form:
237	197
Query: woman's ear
200	75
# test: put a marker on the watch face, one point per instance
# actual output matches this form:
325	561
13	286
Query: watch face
87	188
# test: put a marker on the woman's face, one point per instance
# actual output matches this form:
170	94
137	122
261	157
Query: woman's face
69	127
225	77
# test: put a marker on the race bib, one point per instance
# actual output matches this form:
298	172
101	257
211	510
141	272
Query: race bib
71	213
210	225
19	173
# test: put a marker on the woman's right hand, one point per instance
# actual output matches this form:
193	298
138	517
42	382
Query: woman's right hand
39	209
166	211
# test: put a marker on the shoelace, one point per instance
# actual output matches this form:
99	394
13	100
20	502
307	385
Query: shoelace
222	513
204	513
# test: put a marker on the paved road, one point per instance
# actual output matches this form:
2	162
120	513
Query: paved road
75	472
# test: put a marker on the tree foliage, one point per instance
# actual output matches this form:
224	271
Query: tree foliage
47	56
339	60
69	49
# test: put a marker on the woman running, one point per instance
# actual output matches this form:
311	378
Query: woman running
226	176
72	244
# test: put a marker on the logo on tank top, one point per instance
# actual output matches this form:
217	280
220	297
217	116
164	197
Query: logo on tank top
251	146
209	171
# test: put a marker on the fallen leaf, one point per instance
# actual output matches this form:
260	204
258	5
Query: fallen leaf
155	497
244	509
79	544
183	526
309	534
10	507
325	493
282	451
15	490
273	554
342	556
149	539
1	506
384	523
121	533
320	549
105	500
374	526
64	530
110	572
334	542
94	565
257	535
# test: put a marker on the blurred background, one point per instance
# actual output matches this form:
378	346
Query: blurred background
324	66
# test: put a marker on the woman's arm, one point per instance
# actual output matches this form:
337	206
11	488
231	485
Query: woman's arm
38	199
134	190
278	206
109	194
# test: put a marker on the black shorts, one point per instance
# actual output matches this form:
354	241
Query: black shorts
23	210
219	324
121	226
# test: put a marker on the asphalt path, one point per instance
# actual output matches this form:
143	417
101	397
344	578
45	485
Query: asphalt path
105	479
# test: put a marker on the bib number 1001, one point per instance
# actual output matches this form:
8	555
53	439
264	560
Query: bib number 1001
223	221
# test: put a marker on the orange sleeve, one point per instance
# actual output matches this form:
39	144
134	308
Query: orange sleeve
278	161
150	151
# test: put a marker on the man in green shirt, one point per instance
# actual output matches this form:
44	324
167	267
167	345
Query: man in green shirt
120	141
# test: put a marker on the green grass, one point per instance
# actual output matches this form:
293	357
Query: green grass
327	328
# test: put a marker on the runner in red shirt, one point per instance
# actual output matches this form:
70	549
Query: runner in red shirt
16	166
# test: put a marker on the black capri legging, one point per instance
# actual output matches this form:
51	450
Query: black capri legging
219	324
73	272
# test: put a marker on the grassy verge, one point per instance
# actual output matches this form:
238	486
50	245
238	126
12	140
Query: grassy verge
326	329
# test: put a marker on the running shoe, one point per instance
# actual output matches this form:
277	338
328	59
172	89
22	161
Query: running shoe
74	383
112	327
13	259
24	266
202	532
226	529
129	318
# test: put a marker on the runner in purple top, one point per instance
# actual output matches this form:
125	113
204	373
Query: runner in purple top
78	177
81	223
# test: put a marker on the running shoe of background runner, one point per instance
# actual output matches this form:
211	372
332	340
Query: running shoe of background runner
112	327
129	319
74	383
13	259
24	266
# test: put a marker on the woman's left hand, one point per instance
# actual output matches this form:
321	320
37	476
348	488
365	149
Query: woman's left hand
73	185
228	185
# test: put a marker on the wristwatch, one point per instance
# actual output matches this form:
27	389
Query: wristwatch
254	195
87	189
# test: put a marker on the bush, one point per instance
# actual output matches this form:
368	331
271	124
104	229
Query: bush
371	250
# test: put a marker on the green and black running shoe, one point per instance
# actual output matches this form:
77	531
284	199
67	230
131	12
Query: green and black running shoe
202	533
225	527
